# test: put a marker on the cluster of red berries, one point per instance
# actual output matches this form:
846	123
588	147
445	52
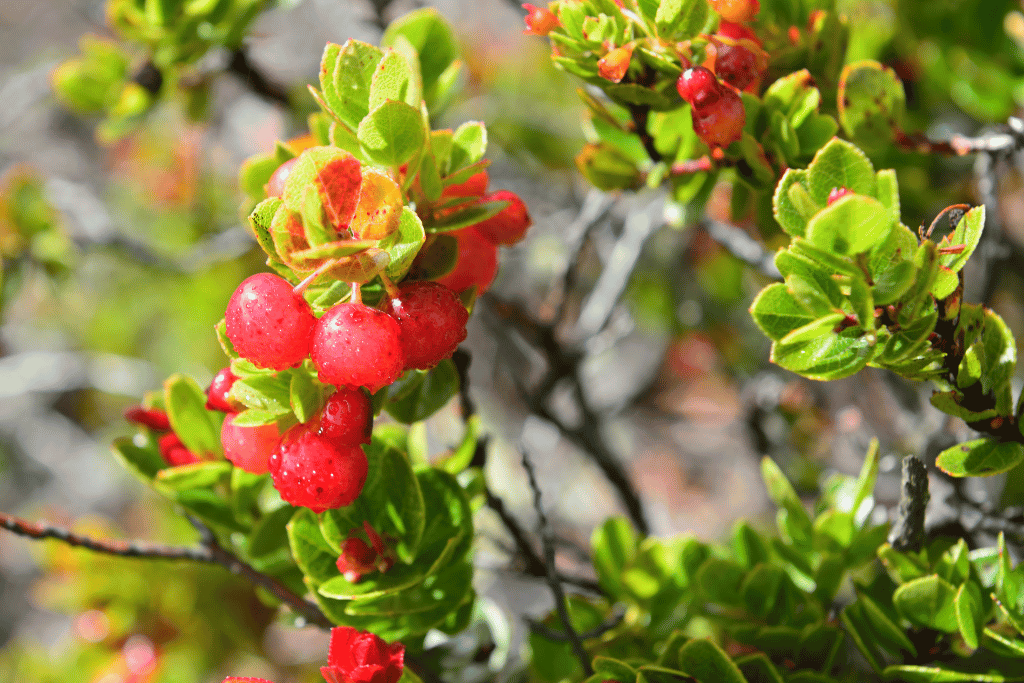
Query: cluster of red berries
174	452
359	557
357	348
717	109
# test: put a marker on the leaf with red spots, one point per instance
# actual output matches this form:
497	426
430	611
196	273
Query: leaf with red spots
335	175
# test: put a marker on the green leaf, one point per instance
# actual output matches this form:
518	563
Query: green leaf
708	663
209	507
840	164
814	329
901	567
469	143
794	96
784	495
392	133
967	233
761	588
254	417
185	403
834	531
927	601
471	215
811	283
1008	583
826	358
315	557
757	668
418	394
615	546
907	673
260	220
867	477
949	403
197	475
858	628
980	458
345	77
748	546
270	533
269	393
851	225
777	312
884	626
436	45
145	463
719	580
614	669
681	19
968	615
871	102
393	80
403	244
305	396
789	217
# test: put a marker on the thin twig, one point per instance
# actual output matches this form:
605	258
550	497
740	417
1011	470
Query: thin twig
597	632
241	66
743	246
908	530
549	560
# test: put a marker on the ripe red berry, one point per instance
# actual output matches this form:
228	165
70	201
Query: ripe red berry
698	86
540	21
738	65
736	11
720	123
217	392
347	417
474	186
509	225
268	323
357	346
174	451
357	558
153	418
431	320
315	472
245	679
737	31
249	448
613	66
275	186
360	657
476	263
836	194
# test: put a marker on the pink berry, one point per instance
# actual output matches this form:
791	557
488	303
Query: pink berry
268	323
249	448
347	417
217	392
476	263
275	186
720	123
315	472
432	322
174	451
540	21
698	86
836	194
357	346
509	225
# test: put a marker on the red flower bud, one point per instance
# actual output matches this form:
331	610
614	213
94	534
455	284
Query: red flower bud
540	21
360	657
613	65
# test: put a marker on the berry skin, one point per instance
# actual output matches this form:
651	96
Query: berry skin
315	472
836	194
268	323
347	417
698	86
153	418
737	32
736	11
540	21
509	225
720	123
432	323
613	66
738	65
174	451
245	679
217	392
357	346
474	186
249	448
476	263
275	186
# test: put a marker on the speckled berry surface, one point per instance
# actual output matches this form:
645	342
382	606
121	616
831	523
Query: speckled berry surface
357	346
312	471
347	417
432	322
268	323
249	448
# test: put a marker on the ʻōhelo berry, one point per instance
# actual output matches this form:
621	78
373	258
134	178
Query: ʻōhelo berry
312	471
509	225
249	448
175	452
739	65
153	418
736	11
475	264
698	86
347	417
217	392
613	66
357	346
275	186
540	21
268	323
736	31
431	320
720	123
474	186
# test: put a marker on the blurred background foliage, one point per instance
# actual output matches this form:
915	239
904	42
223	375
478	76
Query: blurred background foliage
121	242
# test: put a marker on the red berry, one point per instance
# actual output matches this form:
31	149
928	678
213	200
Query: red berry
217	392
613	66
720	123
476	263
737	31
738	65
315	472
432	322
736	11
698	86
174	451
357	558
347	417
357	346
360	657
245	679
268	323
540	21
153	418
509	225
836	194
249	448
275	186
474	186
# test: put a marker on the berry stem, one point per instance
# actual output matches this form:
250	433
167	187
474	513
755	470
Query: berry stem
300	288
357	294
390	287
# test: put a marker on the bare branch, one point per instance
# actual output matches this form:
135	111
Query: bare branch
908	530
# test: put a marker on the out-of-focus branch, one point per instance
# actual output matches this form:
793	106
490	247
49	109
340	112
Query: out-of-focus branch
908	530
241	66
743	246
